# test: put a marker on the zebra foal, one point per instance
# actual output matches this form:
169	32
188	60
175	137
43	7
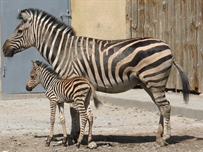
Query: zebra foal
58	91
111	66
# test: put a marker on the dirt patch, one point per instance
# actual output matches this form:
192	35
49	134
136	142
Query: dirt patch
24	126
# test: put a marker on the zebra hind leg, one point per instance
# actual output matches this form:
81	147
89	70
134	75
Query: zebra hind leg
75	128
63	123
89	114
164	123
164	129
90	121
84	118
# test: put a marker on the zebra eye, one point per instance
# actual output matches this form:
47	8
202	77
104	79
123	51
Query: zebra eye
32	77
20	31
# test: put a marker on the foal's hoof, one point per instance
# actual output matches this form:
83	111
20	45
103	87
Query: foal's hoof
78	145
161	142
47	144
64	142
166	137
48	141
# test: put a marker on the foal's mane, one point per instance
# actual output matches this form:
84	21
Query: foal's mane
47	68
34	12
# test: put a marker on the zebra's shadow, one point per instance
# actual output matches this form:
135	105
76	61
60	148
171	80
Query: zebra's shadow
124	139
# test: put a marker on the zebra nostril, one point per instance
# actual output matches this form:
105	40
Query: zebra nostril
28	88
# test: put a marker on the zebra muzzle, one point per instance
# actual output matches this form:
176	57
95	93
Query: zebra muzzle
7	49
28	88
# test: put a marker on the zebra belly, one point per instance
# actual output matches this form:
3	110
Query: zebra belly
120	87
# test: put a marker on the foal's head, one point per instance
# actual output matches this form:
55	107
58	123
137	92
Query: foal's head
34	76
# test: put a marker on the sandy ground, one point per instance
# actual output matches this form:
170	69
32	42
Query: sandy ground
24	126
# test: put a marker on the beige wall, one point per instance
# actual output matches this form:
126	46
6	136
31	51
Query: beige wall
103	19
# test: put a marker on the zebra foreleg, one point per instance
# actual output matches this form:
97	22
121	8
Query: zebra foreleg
52	121
75	128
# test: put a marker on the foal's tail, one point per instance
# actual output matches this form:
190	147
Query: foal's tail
185	82
97	102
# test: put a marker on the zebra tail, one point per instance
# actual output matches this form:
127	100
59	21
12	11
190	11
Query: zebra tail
97	102
185	82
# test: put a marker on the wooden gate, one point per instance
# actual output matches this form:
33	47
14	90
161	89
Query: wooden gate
180	24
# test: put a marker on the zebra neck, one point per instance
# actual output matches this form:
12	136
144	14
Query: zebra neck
57	50
48	80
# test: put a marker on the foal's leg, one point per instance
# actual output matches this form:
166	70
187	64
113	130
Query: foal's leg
52	121
89	114
164	129
62	120
84	117
90	121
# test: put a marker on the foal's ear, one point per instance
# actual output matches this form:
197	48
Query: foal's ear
36	64
33	63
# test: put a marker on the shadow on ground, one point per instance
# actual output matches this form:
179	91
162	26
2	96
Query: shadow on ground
124	139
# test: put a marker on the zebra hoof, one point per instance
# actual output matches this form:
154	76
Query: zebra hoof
65	144
47	144
166	137
78	145
161	142
48	141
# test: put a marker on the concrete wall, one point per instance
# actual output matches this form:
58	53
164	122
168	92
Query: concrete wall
103	19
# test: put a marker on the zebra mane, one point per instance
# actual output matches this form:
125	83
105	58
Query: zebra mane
47	68
40	14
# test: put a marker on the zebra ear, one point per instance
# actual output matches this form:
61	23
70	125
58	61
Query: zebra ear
24	15
36	64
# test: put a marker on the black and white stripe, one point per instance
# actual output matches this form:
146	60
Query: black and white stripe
76	89
112	66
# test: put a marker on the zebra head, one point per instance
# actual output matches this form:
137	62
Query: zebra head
34	30
22	37
34	76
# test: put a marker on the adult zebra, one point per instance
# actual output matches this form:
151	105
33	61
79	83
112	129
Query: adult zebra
111	66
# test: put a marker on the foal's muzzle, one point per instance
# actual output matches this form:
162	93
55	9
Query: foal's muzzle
28	88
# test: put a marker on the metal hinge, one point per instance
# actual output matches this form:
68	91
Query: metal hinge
4	71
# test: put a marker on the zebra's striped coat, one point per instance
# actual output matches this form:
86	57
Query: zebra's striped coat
112	66
75	89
